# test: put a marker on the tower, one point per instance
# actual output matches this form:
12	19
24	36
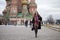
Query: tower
32	7
13	10
7	9
19	9
24	8
19	6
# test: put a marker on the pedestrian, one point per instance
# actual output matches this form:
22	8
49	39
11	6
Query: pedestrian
26	23
37	19
22	22
30	22
0	22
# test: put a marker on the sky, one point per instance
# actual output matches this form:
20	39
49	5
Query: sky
44	7
2	6
49	7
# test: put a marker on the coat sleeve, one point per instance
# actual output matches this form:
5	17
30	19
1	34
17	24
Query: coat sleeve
40	18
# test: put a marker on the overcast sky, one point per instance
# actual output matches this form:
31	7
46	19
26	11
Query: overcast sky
45	8
2	6
49	7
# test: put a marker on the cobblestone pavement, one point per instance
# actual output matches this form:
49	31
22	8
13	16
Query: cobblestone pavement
23	33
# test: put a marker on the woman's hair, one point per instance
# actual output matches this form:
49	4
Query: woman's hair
37	14
34	14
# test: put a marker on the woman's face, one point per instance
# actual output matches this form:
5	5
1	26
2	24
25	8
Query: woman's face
36	14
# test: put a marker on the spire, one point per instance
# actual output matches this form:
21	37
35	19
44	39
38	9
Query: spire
32	1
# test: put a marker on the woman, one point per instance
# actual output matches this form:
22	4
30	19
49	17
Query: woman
37	19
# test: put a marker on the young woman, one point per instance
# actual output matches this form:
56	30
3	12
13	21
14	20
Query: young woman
37	19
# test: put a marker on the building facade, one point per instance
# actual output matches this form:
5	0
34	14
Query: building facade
16	10
25	8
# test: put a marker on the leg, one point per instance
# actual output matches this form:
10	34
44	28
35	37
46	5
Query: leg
36	30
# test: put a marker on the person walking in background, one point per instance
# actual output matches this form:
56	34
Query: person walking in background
0	22
37	19
26	23
30	23
22	22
